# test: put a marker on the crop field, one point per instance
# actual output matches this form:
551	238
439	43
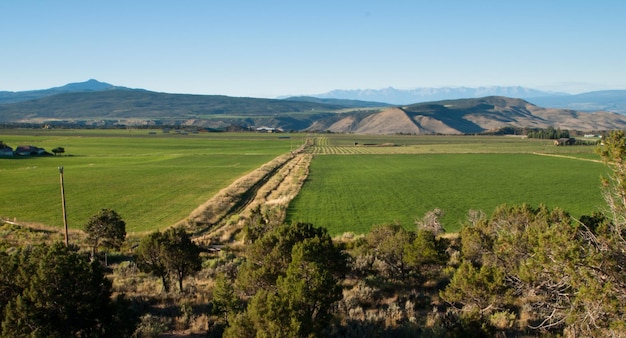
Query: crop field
356	181
409	144
350	188
152	181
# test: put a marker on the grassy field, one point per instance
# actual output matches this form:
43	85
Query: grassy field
351	188
152	181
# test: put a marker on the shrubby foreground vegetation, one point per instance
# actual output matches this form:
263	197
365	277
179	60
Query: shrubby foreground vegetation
521	271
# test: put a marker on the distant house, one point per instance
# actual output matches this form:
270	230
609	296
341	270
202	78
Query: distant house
565	141
269	130
6	151
265	129
29	151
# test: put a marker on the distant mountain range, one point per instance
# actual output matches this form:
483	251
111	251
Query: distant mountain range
605	100
417	95
96	103
608	100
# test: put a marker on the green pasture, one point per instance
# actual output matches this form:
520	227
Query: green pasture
456	174
152	181
156	180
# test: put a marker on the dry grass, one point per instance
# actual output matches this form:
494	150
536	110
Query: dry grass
16	234
270	200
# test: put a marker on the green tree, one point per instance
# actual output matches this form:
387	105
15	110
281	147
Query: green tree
600	304
171	253
388	243
105	229
181	255
483	288
59	293
10	283
58	150
423	256
613	152
267	315
225	300
565	276
150	257
299	268
308	289
240	325
268	257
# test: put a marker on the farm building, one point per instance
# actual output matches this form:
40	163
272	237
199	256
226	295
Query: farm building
6	151
566	141
269	130
30	151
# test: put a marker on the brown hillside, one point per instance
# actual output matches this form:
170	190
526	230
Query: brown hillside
468	116
475	115
389	121
431	125
571	119
345	124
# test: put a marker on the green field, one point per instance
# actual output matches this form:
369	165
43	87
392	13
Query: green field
364	186
152	181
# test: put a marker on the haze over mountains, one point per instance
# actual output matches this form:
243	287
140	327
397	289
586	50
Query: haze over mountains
606	100
416	95
428	111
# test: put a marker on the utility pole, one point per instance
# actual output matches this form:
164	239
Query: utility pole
63	205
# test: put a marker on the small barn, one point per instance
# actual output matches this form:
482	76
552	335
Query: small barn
565	141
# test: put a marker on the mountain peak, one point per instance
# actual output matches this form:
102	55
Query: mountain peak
89	85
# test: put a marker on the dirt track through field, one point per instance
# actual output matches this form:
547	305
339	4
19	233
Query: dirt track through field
265	192
569	157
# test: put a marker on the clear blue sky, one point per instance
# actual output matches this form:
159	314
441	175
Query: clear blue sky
273	48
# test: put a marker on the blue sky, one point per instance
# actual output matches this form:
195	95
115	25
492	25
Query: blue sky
275	48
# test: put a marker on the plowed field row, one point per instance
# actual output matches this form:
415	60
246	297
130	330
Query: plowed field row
322	146
363	150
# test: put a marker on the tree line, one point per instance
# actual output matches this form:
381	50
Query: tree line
549	133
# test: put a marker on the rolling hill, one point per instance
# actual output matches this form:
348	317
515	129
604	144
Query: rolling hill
466	116
97	103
